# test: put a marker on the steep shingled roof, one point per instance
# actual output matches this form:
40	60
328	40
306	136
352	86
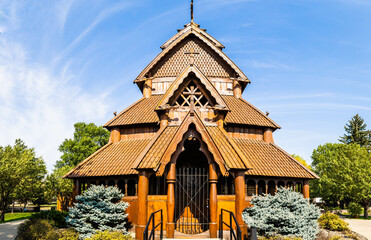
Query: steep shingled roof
268	159
111	160
143	111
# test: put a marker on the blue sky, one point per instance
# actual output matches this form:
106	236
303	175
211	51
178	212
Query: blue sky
67	61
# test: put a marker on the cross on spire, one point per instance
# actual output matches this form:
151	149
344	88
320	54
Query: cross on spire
191	10
192	55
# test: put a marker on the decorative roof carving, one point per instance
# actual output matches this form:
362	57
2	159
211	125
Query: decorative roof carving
183	80
188	39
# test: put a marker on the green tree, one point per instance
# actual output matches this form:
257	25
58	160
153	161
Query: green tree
356	132
87	139
302	161
18	164
59	187
31	186
345	173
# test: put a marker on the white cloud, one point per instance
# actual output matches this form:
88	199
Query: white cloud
40	106
101	16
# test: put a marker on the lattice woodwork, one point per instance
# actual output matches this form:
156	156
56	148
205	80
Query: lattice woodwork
209	62
192	95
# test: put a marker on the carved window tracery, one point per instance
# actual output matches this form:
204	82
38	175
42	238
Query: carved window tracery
192	95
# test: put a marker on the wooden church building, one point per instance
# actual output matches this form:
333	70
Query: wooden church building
191	145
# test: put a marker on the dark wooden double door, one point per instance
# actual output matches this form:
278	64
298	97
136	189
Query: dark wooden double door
192	200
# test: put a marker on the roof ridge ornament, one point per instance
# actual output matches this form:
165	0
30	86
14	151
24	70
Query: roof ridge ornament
191	11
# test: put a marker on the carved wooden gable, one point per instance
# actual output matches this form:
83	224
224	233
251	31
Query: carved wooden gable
206	59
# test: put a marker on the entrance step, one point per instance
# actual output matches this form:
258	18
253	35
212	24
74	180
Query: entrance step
191	238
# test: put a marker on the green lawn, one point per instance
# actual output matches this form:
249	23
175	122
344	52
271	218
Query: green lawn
16	216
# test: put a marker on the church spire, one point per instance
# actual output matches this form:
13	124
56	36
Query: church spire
191	10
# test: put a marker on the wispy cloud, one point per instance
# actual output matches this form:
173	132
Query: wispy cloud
319	106
40	106
63	8
101	16
272	65
293	96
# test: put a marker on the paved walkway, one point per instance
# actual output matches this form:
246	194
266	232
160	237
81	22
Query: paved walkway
9	230
360	226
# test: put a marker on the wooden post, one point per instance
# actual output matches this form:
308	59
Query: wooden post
266	187
237	89
220	120
213	205
76	189
239	183
171	178
126	187
164	120
142	204
268	135
147	88
306	189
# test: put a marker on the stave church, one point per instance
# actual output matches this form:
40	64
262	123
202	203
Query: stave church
191	146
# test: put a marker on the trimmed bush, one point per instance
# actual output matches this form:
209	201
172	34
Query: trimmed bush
56	218
35	229
107	235
354	209
42	229
332	222
278	237
98	209
287	213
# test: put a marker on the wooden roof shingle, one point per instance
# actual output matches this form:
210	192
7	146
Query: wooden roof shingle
268	159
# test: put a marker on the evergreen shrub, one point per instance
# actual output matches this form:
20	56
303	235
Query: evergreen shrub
107	235
56	218
35	229
354	209
287	213
332	222
98	209
42	229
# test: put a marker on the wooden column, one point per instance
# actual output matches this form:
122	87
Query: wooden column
237	89
164	120
147	88
268	135
266	187
115	135
142	204
76	189
171	178
213	205
239	185
220	119
306	189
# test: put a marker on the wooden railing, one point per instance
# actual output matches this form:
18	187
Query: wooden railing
153	230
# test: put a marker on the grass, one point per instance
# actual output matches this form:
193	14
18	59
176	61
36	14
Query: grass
16	216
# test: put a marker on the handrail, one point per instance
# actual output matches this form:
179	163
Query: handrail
152	234
231	230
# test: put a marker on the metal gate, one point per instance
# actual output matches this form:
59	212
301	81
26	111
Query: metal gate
192	200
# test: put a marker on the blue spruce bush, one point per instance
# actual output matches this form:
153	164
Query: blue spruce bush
287	213
98	209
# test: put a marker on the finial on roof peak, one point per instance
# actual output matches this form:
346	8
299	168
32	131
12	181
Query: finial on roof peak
192	11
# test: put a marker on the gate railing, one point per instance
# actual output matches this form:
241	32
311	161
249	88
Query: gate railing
153	231
232	219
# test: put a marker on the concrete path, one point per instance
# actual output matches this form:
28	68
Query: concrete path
360	226
8	230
